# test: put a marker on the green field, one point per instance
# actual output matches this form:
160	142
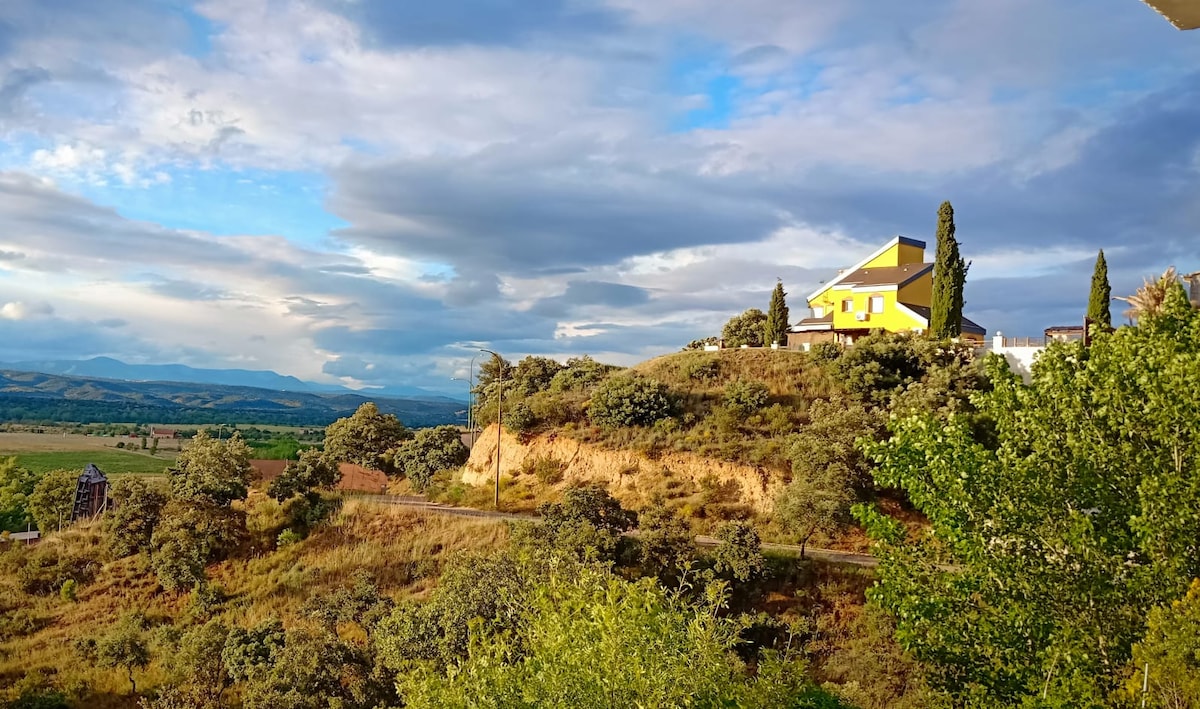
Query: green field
112	462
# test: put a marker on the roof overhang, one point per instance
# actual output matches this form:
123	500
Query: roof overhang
875	254
1184	14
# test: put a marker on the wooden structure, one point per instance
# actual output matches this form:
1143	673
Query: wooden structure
91	494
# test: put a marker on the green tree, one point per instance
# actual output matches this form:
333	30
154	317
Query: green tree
212	471
1171	651
630	401
949	277
16	485
807	506
745	329
534	374
483	592
191	535
588	524
592	640
137	509
1053	535
198	674
52	498
666	547
365	438
581	373
826	450
312	470
316	670
429	451
1101	296
125	645
776	327
739	554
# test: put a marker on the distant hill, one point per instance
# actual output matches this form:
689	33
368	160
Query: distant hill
38	397
109	368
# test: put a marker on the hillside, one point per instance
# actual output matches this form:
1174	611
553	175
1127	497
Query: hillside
109	368
37	397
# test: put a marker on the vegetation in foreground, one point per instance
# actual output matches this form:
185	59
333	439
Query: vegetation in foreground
380	607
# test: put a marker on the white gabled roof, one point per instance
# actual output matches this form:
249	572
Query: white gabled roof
875	254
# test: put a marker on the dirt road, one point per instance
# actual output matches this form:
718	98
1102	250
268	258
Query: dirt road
828	555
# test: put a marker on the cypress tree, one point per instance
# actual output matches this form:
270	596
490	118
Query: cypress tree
949	277
776	327
1098	310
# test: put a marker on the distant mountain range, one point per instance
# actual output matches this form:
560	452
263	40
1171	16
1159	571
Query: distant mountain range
109	368
35	397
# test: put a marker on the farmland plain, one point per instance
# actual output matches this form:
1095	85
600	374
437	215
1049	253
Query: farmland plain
41	452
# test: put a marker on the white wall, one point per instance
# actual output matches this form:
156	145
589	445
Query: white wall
1020	359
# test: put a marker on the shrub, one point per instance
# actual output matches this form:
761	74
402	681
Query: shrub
706	370
665	544
548	471
580	373
519	417
588	524
826	351
739	554
68	590
288	537
629	401
745	397
48	567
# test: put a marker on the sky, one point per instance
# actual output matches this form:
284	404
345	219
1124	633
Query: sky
365	192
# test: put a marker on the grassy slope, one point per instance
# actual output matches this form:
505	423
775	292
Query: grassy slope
403	549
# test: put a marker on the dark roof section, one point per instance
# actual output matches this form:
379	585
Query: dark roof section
92	475
822	323
911	242
886	275
967	325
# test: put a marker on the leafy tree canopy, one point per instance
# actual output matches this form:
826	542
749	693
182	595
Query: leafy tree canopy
52	499
745	329
1053	535
630	401
365	438
429	451
312	470
212	471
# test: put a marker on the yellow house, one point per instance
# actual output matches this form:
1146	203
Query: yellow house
889	290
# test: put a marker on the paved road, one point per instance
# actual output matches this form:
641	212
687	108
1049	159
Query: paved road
420	503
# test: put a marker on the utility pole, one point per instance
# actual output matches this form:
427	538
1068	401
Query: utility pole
499	417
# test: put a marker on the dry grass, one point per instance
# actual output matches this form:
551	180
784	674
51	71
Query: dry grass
402	548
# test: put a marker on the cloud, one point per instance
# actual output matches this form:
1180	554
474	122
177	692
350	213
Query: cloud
477	22
19	310
534	176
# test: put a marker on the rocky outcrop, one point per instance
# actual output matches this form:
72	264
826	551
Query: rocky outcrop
623	472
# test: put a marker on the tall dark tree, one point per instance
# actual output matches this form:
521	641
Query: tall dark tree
776	327
949	276
1098	310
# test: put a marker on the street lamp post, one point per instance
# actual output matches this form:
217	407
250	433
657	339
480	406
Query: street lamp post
499	417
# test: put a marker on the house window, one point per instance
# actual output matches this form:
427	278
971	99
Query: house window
877	304
819	312
848	305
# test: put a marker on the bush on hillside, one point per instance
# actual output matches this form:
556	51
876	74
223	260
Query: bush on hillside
581	373
739	555
744	397
629	401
